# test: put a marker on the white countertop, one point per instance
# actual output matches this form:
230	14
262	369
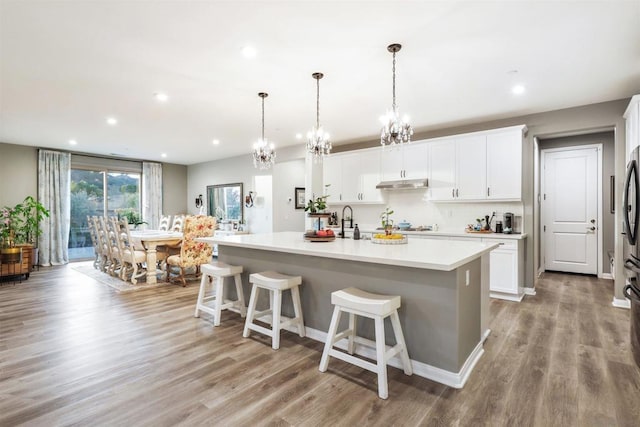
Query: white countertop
365	228
417	253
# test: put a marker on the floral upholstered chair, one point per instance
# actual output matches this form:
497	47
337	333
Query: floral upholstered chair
193	253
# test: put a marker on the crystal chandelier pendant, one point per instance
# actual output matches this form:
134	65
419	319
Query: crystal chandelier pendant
395	130
318	143
264	154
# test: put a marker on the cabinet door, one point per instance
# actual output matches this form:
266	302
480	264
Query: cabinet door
503	271
471	168
391	163
442	158
504	166
370	176
633	129
332	175
350	178
415	161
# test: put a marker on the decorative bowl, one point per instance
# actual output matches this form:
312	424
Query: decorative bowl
404	225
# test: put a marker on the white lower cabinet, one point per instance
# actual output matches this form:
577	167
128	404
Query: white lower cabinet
506	269
506	265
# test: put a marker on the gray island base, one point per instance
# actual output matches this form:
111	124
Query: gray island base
444	308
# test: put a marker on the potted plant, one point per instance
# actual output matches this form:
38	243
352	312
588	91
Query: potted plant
132	216
316	206
20	227
387	222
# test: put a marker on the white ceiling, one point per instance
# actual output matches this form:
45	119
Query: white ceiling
67	65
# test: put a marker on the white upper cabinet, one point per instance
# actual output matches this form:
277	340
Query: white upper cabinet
471	167
406	161
332	177
504	165
479	166
442	183
632	118
353	177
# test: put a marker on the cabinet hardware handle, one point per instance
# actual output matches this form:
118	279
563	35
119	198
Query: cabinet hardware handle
488	191
591	228
457	193
453	193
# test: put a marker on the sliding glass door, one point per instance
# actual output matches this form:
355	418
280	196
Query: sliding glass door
100	193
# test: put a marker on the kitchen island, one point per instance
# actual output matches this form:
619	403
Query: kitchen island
443	285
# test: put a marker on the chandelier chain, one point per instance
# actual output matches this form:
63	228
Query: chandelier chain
317	103
394	82
263	118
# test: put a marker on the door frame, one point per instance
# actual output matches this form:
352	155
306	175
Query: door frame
599	244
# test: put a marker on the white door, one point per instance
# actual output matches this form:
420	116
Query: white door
570	210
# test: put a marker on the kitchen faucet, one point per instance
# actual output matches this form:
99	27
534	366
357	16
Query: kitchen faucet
350	219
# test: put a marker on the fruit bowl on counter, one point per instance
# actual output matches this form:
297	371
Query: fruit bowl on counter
319	235
389	239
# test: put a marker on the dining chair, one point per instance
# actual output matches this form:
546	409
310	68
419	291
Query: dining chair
95	241
116	264
105	247
193	253
131	259
178	223
165	223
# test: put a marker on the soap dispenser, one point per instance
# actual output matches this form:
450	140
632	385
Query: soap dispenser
356	233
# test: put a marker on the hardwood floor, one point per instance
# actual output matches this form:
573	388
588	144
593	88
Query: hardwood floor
74	352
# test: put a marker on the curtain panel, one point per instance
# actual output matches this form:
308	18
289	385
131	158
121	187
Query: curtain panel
54	192
151	194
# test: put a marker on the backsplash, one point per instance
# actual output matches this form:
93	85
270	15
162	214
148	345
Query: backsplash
411	206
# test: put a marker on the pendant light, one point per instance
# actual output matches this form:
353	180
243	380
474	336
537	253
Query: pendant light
318	143
264	155
394	131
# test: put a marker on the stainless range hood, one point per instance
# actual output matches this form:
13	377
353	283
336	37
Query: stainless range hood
404	184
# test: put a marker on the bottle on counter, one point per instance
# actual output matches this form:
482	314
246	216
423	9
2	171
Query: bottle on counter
356	233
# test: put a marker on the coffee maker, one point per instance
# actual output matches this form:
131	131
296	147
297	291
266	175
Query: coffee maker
507	224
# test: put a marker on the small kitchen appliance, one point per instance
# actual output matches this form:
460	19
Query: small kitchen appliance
498	226
507	227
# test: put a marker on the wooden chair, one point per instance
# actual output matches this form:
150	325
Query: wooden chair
178	223
95	240
193	253
165	223
131	259
115	257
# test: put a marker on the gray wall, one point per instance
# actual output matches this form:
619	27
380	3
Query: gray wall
174	189
18	173
19	178
287	173
607	139
594	117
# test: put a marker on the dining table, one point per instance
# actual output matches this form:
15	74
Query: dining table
150	240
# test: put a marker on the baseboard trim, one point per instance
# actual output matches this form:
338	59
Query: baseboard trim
451	379
621	303
607	276
530	291
505	296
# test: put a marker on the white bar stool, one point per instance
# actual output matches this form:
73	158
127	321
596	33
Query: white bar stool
219	270
275	283
357	302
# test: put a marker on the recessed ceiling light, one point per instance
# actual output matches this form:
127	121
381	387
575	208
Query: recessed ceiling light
216	142
298	136
112	121
518	89
249	52
161	97
73	142
163	155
